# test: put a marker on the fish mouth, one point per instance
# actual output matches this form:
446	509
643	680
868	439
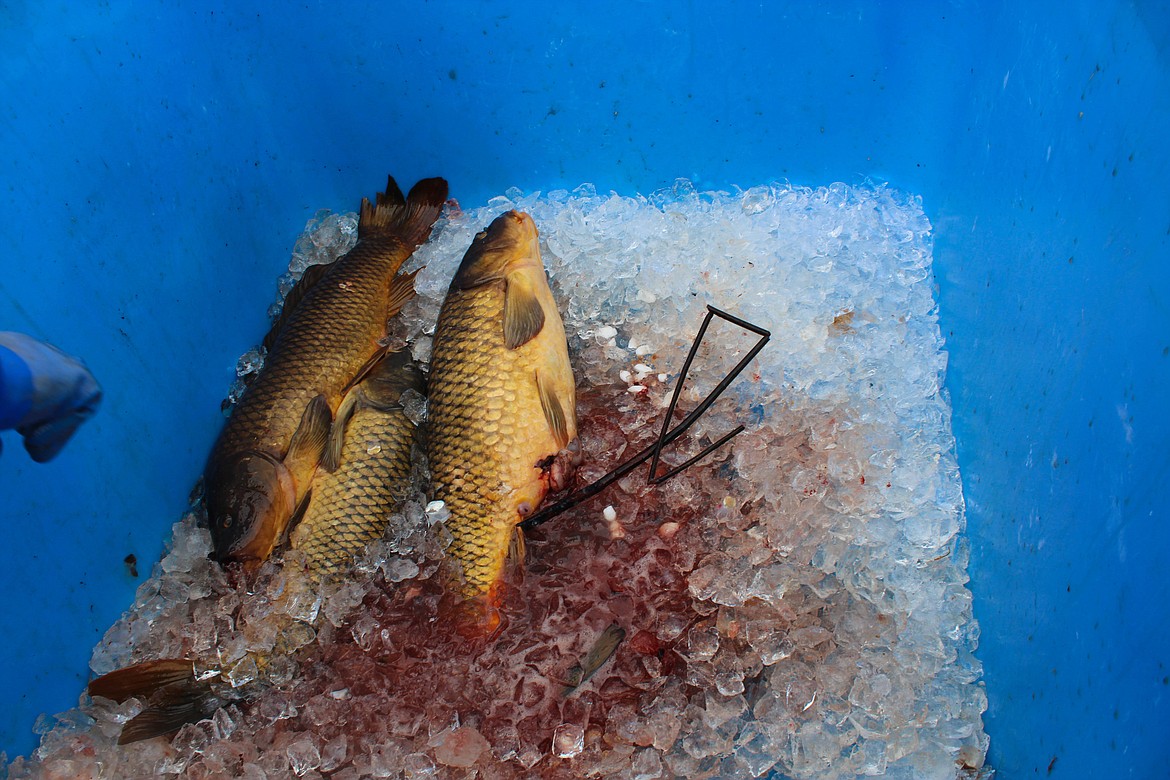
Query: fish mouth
514	234
523	229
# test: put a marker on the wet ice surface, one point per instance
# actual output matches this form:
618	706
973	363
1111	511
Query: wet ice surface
793	606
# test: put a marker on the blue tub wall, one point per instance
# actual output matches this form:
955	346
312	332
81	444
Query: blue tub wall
157	162
1054	287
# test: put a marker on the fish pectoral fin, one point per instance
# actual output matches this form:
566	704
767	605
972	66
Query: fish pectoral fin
308	280
169	710
523	314
294	522
141	680
516	549
331	459
309	442
554	411
401	291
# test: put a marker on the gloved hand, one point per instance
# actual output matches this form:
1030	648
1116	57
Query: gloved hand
44	394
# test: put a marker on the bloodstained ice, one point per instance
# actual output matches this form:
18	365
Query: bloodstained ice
796	603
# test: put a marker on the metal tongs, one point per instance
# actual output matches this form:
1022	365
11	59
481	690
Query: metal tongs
653	453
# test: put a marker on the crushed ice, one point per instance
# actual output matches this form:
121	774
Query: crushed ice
797	603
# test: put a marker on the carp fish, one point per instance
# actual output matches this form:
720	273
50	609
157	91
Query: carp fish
348	509
258	474
502	420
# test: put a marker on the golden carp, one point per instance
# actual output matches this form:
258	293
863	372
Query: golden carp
260	468
501	407
348	509
351	506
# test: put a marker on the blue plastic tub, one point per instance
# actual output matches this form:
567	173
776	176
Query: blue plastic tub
157	161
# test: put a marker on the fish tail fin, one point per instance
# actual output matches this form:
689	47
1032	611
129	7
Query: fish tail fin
171	692
409	218
169	709
474	618
142	680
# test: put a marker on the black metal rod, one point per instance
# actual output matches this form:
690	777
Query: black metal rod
693	460
660	442
713	396
667	435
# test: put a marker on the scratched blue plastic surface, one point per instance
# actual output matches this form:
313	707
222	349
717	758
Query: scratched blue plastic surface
157	161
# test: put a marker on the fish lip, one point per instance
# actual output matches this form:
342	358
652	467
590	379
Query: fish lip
530	237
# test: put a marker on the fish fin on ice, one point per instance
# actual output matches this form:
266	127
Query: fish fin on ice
308	443
385	211
308	280
409	218
169	710
141	680
554	411
603	649
523	315
401	291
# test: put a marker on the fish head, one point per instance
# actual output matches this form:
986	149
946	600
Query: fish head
250	499
510	243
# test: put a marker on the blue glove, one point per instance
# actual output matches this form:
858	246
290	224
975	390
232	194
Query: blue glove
44	394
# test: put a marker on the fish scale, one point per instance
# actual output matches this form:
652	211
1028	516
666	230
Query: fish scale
473	381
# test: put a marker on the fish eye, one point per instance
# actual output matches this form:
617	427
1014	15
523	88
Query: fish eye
227	521
525	509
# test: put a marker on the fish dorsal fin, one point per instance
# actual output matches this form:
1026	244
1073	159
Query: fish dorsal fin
554	411
523	314
308	280
401	291
308	443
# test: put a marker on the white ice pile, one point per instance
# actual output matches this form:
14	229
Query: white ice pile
794	606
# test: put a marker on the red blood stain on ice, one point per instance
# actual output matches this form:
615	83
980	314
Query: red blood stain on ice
409	674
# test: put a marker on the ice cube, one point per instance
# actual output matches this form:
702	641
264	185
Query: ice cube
461	747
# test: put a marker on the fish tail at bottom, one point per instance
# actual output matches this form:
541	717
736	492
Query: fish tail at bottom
171	694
